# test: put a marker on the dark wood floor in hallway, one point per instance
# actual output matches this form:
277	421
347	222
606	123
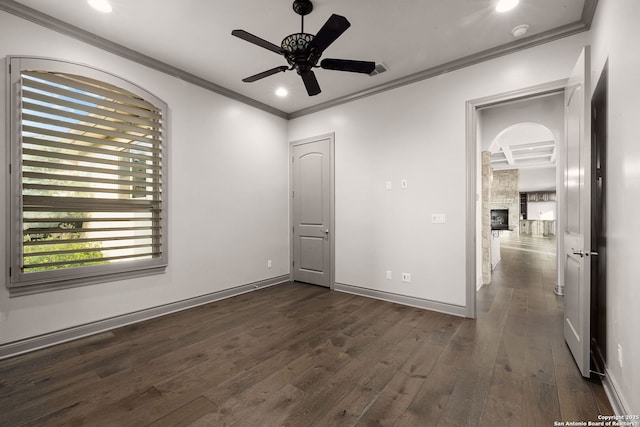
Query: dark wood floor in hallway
299	355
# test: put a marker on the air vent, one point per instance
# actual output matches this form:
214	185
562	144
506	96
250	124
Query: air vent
380	68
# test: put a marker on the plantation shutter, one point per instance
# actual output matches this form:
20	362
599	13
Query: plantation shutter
91	175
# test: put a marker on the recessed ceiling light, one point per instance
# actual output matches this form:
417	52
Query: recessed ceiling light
100	5
520	30
282	92
506	5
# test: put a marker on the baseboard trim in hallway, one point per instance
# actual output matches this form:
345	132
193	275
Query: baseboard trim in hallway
611	387
46	340
440	307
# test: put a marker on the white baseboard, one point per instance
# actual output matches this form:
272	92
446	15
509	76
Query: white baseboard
456	310
611	388
46	340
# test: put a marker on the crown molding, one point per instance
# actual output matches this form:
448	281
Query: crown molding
588	12
486	55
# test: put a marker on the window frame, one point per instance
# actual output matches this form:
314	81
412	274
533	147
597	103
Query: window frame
21	283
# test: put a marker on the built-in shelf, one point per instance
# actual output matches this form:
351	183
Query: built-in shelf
541	196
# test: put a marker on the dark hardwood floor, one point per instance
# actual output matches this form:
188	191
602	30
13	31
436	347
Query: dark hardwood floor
300	355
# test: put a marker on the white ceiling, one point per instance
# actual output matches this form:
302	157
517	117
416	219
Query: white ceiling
523	145
409	36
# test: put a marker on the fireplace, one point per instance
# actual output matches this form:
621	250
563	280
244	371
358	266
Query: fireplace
499	219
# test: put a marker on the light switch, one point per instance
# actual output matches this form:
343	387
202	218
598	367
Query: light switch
438	218
404	183
387	185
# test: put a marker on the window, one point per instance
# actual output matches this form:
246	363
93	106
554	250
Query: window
88	177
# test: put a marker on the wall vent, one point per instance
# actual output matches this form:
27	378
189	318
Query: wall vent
380	68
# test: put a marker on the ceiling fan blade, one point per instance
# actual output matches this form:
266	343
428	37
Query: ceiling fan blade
365	67
310	82
264	74
257	41
330	31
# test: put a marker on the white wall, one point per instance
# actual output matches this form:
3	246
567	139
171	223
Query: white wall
228	187
416	132
616	37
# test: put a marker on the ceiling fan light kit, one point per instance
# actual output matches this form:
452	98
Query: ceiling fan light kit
303	50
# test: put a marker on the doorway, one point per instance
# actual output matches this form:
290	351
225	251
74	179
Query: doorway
312	210
598	222
474	193
518	142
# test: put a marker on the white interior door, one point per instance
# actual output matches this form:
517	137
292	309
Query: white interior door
577	236
312	204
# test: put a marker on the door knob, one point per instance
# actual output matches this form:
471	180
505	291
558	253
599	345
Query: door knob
326	232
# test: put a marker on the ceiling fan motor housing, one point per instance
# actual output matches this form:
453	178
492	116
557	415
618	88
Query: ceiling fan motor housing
297	51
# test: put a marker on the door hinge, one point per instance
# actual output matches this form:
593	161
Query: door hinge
293	263
293	194
9	271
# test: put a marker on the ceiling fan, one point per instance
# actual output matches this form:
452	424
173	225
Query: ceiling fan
302	50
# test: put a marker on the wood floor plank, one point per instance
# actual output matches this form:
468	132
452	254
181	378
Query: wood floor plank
399	392
429	402
186	414
541	405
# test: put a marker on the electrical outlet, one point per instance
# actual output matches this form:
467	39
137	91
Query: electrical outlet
387	185
620	355
438	218
406	277
389	275
269	264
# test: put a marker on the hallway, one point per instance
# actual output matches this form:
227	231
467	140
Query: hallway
534	365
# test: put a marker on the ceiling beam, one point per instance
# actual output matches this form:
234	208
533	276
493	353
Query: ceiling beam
509	155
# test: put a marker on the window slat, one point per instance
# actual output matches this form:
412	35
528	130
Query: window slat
89	261
89	169
57	230
98	205
87	240
90	148
75	178
115	124
131	137
85	159
102	103
91	190
62	219
92	86
51	100
79	138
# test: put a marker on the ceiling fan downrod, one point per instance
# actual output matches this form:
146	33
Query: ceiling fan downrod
302	8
